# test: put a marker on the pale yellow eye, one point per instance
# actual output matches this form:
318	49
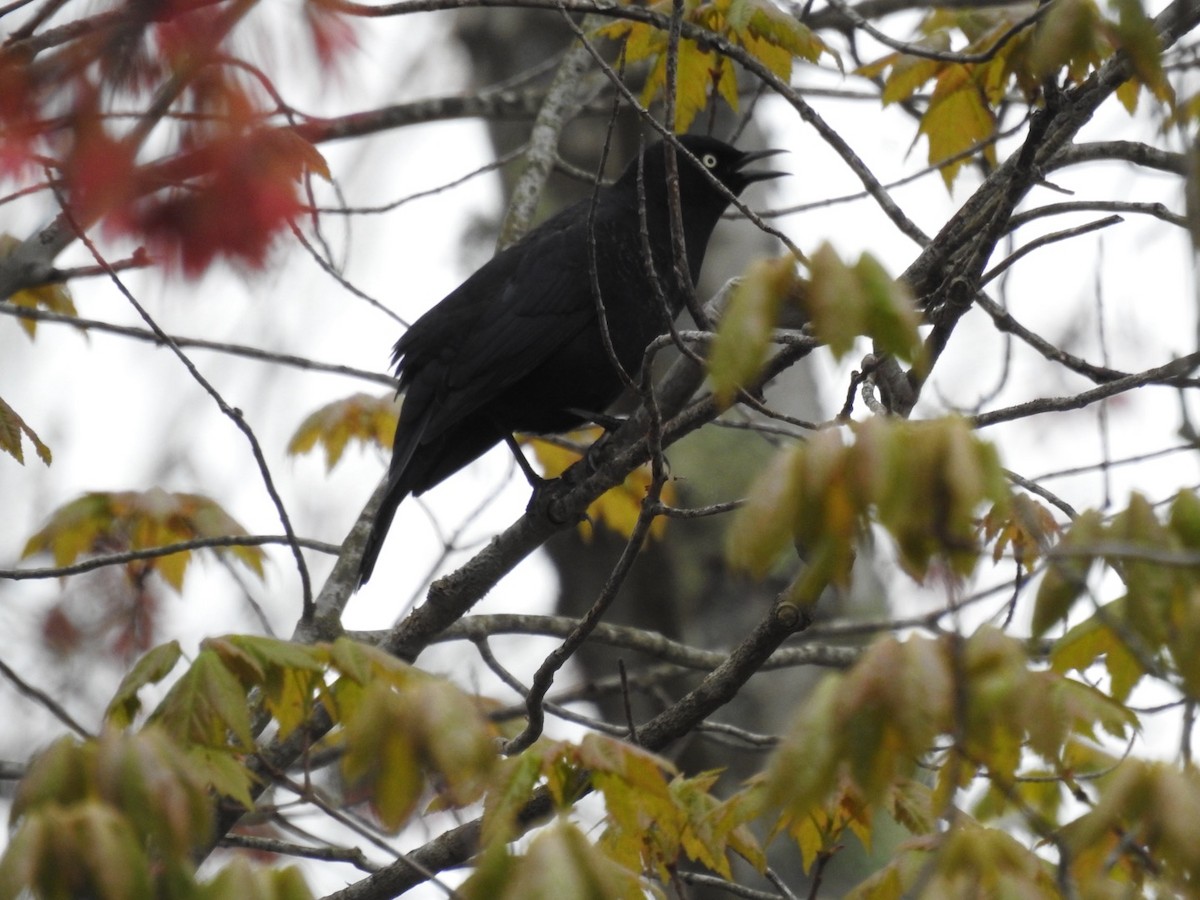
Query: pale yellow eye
710	161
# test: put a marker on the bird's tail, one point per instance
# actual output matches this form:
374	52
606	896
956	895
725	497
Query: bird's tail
379	529
400	485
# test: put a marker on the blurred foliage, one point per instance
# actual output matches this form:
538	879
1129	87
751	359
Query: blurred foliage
106	522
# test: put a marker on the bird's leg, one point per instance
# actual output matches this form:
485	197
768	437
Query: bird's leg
536	481
541	501
605	421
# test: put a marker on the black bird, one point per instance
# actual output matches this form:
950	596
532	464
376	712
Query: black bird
518	345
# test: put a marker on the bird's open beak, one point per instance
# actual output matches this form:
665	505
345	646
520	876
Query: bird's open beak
755	156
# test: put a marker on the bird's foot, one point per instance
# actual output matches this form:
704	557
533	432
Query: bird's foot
548	501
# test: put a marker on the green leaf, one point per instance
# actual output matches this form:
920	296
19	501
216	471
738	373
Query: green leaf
1068	35
239	878
59	775
1066	578
1185	518
152	781
834	301
744	332
224	772
562	863
928	481
802	770
1093	640
109	852
206	705
19	863
458	743
289	674
891	315
911	804
155	665
847	302
764	527
381	754
510	791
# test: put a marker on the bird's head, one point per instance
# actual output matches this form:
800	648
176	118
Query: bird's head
724	162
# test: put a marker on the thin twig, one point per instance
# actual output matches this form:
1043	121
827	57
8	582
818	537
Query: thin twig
53	706
1053	237
149	336
1166	374
117	559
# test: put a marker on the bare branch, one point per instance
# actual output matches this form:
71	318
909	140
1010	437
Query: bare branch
1167	374
144	334
118	559
41	697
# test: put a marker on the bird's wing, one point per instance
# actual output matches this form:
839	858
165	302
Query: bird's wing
500	324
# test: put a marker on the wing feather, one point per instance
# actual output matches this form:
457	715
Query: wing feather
498	326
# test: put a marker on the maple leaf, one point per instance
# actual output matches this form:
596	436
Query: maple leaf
54	297
256	174
12	427
360	417
769	34
104	522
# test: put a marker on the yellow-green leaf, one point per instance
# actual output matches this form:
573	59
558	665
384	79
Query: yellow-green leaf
957	120
206	706
1093	640
224	772
12	427
562	863
744	332
834	301
508	795
361	417
381	755
891	316
1066	578
106	522
764	527
1136	35
239	878
1068	35
152	668
54	297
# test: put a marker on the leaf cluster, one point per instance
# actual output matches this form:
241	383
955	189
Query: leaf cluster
766	32
923	482
1152	629
102	522
1010	48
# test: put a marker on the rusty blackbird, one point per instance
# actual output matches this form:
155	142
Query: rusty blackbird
518	346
